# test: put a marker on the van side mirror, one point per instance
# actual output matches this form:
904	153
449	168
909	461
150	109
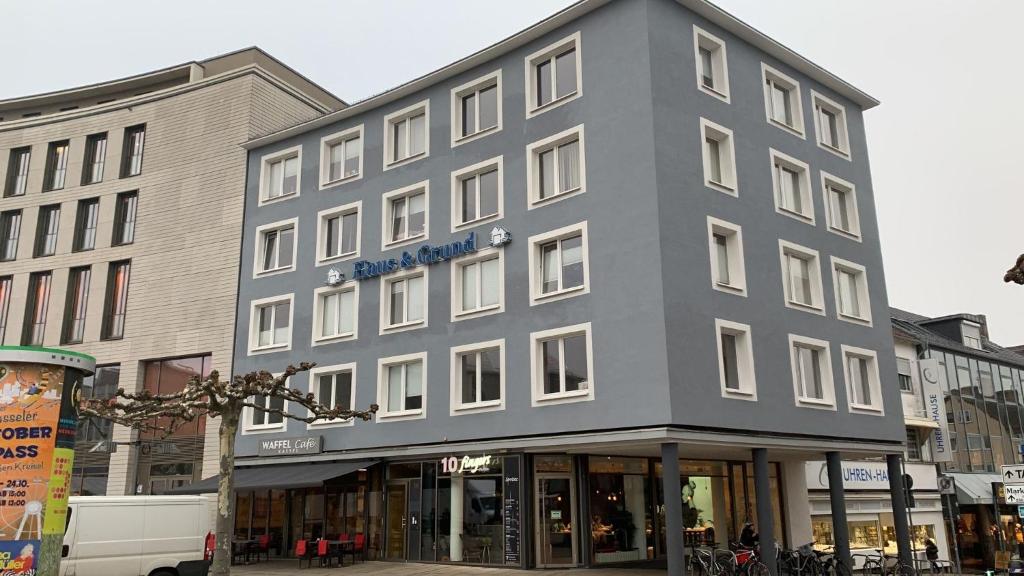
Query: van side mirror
65	551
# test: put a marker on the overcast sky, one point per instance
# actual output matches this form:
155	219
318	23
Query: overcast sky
947	72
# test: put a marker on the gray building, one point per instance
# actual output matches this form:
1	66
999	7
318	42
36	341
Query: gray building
629	251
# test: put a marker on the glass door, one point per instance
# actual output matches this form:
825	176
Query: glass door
397	529
555	521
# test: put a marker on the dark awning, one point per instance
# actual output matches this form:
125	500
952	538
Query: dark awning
303	475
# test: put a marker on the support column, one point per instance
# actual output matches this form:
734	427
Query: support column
765	516
455	522
840	529
899	507
675	547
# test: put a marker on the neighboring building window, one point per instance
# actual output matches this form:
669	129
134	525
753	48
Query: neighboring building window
404	301
407	134
10	230
6	285
478	377
851	284
17	171
56	165
86	219
335	317
841	212
116	301
557	167
728	272
558	264
405	215
95	158
830	125
782	100
268	414
341	157
402	387
476	108
554	75
913	445
338	233
971	333
812	371
280	175
801	277
792	182
34	325
735	360
903	370
276	247
271	324
712	64
719	157
47	225
477	194
334	387
125	211
477	284
863	385
131	152
563	365
75	304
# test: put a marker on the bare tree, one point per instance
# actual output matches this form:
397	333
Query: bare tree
1016	274
224	399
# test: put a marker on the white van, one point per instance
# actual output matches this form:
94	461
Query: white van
137	535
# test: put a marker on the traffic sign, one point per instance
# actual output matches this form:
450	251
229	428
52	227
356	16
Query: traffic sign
1013	474
947	485
1013	494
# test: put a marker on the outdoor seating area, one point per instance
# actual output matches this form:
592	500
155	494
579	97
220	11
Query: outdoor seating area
326	551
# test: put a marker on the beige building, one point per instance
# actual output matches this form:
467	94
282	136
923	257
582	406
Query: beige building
120	224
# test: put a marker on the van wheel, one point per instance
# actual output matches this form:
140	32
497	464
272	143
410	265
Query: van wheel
163	573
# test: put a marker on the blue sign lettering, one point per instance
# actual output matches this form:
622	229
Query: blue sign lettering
426	255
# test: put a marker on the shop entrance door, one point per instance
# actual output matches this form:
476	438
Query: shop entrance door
397	520
556	521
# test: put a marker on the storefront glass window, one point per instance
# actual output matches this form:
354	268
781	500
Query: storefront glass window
620	521
469	497
313	522
919	534
243	507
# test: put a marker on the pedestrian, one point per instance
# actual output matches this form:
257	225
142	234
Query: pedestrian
749	536
931	551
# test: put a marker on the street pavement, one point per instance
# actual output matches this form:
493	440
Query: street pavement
290	567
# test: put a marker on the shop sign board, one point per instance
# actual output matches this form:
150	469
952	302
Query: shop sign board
291	446
468	464
935	406
426	255
1013	473
1013	494
511	512
870	475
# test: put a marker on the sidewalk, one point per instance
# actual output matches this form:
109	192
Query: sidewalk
291	567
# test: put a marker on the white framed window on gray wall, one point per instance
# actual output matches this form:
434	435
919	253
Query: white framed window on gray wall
562	362
735	360
270	324
478	377
556	167
276	247
559	266
791	181
801	277
403	301
811	361
782	101
863	384
341	157
830	125
268	417
478	284
728	271
841	214
853	303
712	64
402	387
405	218
336	313
719	157
407	135
333	386
338	235
554	75
478	194
280	175
476	108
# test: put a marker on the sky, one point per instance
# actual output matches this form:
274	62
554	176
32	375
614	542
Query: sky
950	208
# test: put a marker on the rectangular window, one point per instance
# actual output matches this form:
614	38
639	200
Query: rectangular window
557	166
402	386
86	220
269	415
34	326
735	360
801	277
830	125
477	376
404	301
863	385
405	215
131	152
95	158
338	234
271	324
56	165
276	247
10	230
971	335
335	313
6	285
558	263
280	175
116	300
408	135
341	157
476	108
712	64
46	230
334	387
791	179
841	212
728	272
75	304
719	157
903	370
554	75
477	284
125	211
851	285
913	445
477	193
17	171
782	100
812	371
562	364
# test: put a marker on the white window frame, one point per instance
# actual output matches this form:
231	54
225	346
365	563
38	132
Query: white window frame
316	338
325	155
546	53
385	220
458	176
719	61
797	107
536	296
806	192
321	232
457	406
817	305
292	223
734	245
820	101
456	284
829	180
382	388
385	300
249	428
863	296
314	388
744	359
726	157
266	161
876	407
538	398
828	387
398	116
254	347
533	152
459	92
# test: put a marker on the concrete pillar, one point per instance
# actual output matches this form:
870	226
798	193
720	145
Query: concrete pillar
675	547
455	523
899	507
796	503
765	516
840	529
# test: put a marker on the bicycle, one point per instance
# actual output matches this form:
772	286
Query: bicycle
748	560
884	565
830	565
712	562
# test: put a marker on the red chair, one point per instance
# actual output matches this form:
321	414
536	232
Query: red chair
359	548
263	547
304	552
323	551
